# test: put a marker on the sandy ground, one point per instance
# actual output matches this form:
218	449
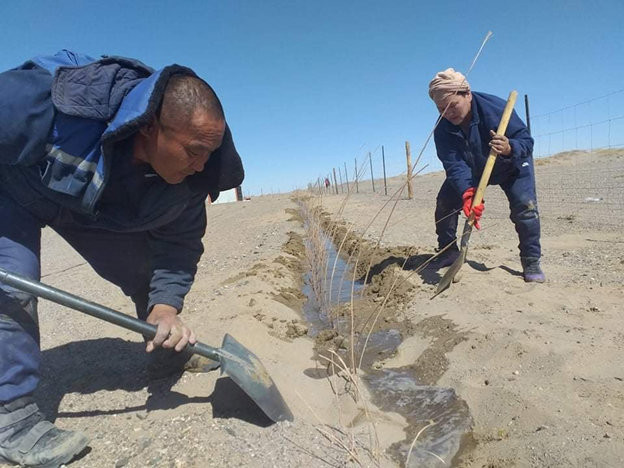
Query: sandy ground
94	376
539	366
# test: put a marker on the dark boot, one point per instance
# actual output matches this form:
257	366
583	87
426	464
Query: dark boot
531	270
27	439
444	259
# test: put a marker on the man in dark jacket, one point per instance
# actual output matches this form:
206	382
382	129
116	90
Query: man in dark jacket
119	160
464	137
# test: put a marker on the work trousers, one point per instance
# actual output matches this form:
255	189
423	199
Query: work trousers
120	258
521	194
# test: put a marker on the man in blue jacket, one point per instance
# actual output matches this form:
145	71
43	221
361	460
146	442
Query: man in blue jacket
463	138
119	160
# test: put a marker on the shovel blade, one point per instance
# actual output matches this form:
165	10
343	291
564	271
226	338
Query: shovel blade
246	370
448	277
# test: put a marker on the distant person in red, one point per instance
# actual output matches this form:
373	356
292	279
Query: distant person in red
327	183
463	139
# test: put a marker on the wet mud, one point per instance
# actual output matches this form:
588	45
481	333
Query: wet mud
365	323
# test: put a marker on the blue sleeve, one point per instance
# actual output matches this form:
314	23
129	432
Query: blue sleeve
519	139
452	154
176	249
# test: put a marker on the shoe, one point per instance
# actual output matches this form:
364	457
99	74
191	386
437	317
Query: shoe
200	364
445	259
27	439
165	363
531	270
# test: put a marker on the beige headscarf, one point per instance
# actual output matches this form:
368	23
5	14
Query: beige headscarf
447	82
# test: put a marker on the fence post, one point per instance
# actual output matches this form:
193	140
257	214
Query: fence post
346	177
383	162
341	184
357	188
528	116
370	160
335	181
408	154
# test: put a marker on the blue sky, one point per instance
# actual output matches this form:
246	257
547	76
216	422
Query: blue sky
309	85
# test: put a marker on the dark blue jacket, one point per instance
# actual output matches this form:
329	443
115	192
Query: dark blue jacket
464	156
65	123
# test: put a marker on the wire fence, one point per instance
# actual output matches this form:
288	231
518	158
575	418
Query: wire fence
596	123
584	188
579	151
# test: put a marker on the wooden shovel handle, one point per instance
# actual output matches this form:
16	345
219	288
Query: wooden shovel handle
489	165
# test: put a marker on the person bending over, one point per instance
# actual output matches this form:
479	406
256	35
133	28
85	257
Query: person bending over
463	139
118	159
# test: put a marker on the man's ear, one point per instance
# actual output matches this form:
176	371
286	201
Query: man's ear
149	129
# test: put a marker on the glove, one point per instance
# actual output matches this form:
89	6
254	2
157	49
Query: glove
468	208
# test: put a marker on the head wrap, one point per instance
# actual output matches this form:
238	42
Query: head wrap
446	83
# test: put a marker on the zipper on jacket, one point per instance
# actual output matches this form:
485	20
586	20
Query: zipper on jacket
469	155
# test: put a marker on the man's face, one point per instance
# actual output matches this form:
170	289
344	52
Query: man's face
177	151
457	108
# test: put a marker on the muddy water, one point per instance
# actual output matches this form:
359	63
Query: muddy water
337	287
393	389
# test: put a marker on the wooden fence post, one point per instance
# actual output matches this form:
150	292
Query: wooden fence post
370	160
383	162
410	191
341	184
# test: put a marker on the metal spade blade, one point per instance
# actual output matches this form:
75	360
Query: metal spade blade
449	276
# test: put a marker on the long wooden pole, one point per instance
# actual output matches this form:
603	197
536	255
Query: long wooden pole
489	164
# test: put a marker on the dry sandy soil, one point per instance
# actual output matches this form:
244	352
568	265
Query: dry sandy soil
539	365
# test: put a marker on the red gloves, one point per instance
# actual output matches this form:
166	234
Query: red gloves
477	210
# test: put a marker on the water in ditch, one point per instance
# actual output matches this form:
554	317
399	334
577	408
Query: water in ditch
393	389
337	287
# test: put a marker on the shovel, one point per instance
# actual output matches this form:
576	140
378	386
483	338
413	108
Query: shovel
449	276
240	364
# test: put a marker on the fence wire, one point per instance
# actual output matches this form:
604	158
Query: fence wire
583	177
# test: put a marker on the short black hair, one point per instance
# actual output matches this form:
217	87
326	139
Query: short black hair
186	94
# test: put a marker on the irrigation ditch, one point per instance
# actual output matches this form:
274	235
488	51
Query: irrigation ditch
353	295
